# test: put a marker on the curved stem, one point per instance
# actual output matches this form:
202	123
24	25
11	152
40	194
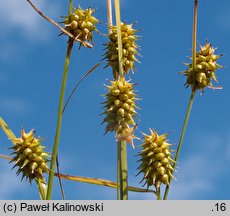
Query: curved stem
59	118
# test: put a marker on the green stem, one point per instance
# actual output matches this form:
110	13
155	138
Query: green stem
122	166
194	33
194	30
123	170
59	118
119	38
118	170
181	137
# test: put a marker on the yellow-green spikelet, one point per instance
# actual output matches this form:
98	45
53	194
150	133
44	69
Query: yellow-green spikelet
120	109
81	23
156	162
204	70
30	157
129	48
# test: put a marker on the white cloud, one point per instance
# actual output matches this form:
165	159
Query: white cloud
193	178
199	173
19	16
14	105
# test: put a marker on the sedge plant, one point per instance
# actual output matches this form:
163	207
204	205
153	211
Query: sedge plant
157	162
200	74
80	23
120	101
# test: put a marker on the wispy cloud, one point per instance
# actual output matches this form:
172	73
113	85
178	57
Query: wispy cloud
199	173
19	16
14	105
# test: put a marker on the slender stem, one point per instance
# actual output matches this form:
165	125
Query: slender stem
110	23
181	137
118	170
109	15
194	30
194	33
123	170
59	118
122	151
119	38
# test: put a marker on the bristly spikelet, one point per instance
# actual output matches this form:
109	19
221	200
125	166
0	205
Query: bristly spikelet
81	23
156	162
129	48
30	157
205	68
120	109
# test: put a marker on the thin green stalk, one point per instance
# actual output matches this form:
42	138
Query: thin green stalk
122	151
110	23
194	33
59	118
118	170
123	171
181	138
119	38
194	38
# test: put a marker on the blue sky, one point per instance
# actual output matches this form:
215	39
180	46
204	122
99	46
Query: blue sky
31	59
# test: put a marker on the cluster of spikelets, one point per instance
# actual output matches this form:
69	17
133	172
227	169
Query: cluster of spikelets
156	162
81	23
120	109
129	48
205	68
29	156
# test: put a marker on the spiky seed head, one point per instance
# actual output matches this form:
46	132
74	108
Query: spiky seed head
81	23
156	162
120	109
29	156
205	68
129	47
